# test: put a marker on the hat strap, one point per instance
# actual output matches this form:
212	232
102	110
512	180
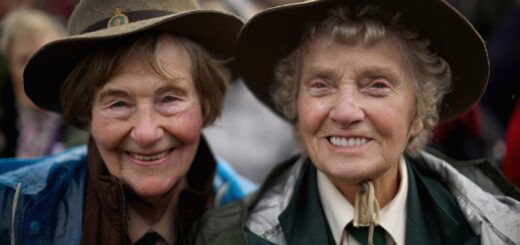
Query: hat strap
132	17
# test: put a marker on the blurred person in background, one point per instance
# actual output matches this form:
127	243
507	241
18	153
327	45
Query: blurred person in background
29	130
7	98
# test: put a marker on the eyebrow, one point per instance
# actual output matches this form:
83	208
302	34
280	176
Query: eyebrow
322	71
112	93
176	88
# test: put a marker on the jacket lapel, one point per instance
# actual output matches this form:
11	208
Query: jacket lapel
303	221
433	216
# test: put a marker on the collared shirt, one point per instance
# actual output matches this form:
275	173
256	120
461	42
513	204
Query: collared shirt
339	212
137	226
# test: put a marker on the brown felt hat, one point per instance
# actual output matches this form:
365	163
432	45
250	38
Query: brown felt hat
274	32
98	23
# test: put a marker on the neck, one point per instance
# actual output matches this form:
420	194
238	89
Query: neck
151	209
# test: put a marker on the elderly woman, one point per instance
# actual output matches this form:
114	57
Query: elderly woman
144	77
364	83
28	130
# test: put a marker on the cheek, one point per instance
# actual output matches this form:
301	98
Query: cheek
107	133
186	127
312	112
390	124
107	138
393	121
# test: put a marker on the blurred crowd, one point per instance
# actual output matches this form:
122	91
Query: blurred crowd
248	134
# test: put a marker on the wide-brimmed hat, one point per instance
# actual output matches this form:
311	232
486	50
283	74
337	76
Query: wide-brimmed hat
275	32
98	23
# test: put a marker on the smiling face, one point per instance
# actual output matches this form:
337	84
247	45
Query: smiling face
355	107
147	127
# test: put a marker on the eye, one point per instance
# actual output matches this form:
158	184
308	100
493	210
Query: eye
118	104
380	85
319	87
318	84
169	99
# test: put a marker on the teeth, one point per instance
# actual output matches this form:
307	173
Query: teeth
150	158
347	142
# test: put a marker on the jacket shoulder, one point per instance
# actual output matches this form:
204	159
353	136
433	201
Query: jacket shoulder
224	225
490	213
39	192
35	174
483	173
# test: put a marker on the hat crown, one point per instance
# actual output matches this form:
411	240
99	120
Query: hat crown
90	12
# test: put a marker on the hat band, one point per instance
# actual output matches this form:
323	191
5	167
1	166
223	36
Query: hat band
132	17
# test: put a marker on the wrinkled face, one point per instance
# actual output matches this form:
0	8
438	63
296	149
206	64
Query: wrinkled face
356	107
21	49
147	127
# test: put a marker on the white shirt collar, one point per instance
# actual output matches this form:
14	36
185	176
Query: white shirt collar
339	212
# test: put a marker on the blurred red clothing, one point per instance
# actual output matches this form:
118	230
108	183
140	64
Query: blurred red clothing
469	120
511	163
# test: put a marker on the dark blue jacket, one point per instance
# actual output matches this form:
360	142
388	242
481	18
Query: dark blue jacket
41	200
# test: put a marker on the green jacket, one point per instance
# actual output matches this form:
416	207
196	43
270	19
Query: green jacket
444	207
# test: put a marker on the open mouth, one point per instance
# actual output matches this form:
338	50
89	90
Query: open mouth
347	142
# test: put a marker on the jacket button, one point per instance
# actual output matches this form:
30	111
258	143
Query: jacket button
34	227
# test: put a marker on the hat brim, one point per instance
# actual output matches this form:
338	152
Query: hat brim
275	32
49	67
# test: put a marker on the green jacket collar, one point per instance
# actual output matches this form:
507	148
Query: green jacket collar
433	214
303	221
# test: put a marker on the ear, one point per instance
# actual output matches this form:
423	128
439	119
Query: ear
206	108
416	127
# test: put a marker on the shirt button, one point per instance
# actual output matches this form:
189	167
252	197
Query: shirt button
34	227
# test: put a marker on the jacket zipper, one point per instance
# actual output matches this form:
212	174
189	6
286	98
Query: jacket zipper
124	215
13	213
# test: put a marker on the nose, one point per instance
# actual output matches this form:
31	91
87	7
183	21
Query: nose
347	108
147	127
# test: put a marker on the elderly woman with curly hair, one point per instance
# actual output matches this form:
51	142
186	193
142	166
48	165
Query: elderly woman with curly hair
364	83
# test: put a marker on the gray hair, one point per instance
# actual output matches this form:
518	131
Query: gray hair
27	23
431	74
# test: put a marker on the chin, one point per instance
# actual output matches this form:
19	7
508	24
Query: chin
349	178
352	174
148	190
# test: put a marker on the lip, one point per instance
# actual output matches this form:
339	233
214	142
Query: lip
158	158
